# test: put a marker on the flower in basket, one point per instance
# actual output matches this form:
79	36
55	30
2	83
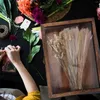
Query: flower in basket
38	15
58	1
31	9
40	10
25	7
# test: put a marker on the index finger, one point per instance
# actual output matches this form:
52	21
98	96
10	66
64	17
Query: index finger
2	51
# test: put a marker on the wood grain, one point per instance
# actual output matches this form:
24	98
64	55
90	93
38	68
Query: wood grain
58	83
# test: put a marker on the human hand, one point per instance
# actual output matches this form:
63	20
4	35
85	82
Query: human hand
13	53
2	54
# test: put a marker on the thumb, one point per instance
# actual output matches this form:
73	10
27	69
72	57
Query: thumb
18	48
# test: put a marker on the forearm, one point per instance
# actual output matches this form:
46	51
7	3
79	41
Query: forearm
29	83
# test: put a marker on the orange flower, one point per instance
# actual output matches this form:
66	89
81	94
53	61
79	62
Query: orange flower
24	7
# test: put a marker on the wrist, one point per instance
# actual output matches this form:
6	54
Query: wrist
17	64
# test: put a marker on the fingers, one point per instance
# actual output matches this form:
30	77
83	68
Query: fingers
7	49
2	54
18	48
2	51
0	58
12	48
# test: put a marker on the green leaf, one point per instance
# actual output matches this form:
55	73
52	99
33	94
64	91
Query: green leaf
36	41
55	7
47	4
28	36
8	8
32	38
3	8
4	18
33	52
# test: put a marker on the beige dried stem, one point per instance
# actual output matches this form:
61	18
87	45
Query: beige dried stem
70	47
57	44
70	38
84	39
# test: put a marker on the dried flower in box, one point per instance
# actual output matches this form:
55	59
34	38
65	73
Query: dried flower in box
70	47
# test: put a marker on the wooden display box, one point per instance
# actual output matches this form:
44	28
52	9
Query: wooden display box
58	83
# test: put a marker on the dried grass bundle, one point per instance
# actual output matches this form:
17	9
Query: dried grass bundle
70	47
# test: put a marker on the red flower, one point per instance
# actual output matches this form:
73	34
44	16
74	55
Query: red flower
59	1
12	37
38	15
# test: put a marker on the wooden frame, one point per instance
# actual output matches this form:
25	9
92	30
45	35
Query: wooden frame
58	87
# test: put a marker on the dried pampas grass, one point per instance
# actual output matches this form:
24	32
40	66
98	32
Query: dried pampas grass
70	47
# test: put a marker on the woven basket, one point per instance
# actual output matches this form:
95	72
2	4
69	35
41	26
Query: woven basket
57	16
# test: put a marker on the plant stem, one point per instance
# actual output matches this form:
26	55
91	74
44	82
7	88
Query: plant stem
59	9
39	73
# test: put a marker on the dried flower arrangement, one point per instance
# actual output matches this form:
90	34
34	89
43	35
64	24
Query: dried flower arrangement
70	47
40	10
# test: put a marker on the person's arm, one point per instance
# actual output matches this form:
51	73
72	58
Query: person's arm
26	77
14	56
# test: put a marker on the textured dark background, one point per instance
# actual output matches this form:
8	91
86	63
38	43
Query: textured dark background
80	9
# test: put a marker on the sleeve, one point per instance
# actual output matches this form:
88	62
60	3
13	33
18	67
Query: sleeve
31	96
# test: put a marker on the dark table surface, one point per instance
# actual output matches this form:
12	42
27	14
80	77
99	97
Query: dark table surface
80	9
